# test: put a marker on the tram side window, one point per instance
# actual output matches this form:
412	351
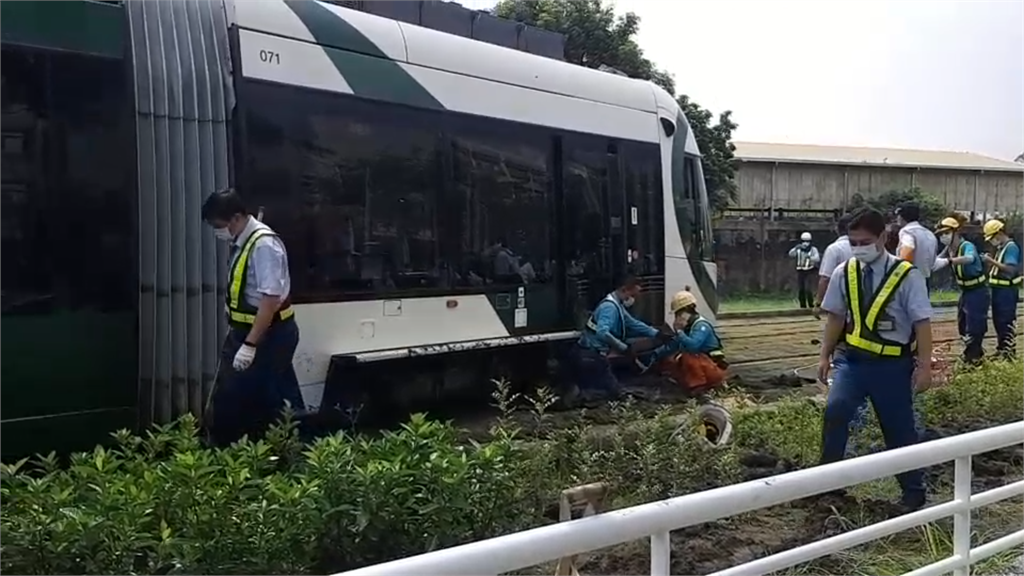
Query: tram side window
501	180
66	182
352	188
586	189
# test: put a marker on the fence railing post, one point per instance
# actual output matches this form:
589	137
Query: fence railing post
661	554
962	519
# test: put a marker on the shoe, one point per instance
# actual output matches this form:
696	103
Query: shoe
912	502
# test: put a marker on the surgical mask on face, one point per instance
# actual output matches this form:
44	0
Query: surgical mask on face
628	302
946	239
866	254
223	234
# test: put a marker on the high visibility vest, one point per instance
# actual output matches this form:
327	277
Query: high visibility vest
958	271
997	277
803	259
239	311
861	329
717	353
592	322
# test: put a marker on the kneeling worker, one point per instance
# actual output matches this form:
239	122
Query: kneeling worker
609	331
694	357
879	320
256	375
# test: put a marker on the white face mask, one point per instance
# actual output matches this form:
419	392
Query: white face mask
628	302
866	254
946	239
223	234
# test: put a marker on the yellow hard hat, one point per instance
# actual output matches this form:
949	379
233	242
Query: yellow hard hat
681	300
991	228
947	224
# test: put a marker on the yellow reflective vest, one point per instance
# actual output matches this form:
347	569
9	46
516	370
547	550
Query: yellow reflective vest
958	271
862	327
997	277
239	311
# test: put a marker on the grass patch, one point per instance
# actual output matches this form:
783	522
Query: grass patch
163	503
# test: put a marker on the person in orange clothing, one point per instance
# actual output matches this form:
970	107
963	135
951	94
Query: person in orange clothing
694	358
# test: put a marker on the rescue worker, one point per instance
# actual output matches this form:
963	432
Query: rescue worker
256	375
807	258
1005	279
694	357
610	331
879	320
969	273
917	244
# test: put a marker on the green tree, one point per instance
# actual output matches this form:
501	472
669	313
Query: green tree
715	143
932	209
596	37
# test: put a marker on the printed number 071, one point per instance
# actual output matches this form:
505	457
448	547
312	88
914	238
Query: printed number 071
270	57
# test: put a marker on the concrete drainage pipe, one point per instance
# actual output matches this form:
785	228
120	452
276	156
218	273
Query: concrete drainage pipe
712	422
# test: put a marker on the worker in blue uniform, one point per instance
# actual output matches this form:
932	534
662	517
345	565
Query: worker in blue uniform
256	377
1004	277
879	330
610	331
969	273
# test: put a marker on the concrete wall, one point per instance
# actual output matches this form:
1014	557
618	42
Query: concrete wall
752	252
823	187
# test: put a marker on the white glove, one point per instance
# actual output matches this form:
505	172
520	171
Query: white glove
244	357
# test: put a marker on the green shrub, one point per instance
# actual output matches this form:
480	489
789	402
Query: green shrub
163	503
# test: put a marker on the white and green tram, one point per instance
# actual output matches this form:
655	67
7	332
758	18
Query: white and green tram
400	164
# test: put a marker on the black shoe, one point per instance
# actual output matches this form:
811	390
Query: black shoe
912	502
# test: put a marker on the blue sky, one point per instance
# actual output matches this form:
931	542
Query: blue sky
933	74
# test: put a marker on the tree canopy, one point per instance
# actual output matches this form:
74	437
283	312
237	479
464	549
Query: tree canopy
932	209
596	37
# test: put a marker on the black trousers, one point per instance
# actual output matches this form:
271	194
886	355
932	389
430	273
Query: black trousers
805	287
246	403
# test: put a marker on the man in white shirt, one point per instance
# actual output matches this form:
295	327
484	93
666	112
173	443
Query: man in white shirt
917	244
836	254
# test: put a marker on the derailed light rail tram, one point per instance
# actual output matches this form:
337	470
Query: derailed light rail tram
398	163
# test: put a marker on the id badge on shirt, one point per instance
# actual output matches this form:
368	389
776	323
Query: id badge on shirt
885	324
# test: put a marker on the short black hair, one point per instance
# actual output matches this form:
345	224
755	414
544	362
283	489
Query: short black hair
909	211
627	280
869	220
843	224
223	205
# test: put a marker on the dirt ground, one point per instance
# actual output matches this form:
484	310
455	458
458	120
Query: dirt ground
719	545
763	354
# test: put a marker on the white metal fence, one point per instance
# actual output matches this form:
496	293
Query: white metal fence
657	519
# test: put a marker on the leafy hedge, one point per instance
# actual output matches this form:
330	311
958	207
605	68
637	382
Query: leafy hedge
163	503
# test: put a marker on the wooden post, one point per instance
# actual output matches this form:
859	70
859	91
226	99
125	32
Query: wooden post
590	497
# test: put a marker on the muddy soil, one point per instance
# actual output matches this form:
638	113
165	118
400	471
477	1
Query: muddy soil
727	543
763	355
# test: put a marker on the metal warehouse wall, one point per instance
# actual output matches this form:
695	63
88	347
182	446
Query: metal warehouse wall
823	187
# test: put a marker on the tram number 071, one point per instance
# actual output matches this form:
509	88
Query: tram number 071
270	57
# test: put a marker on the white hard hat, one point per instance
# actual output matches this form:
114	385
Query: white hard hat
806	236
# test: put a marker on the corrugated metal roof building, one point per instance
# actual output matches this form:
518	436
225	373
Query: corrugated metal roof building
808	177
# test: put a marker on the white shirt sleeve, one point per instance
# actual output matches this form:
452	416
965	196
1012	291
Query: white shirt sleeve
907	240
829	261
